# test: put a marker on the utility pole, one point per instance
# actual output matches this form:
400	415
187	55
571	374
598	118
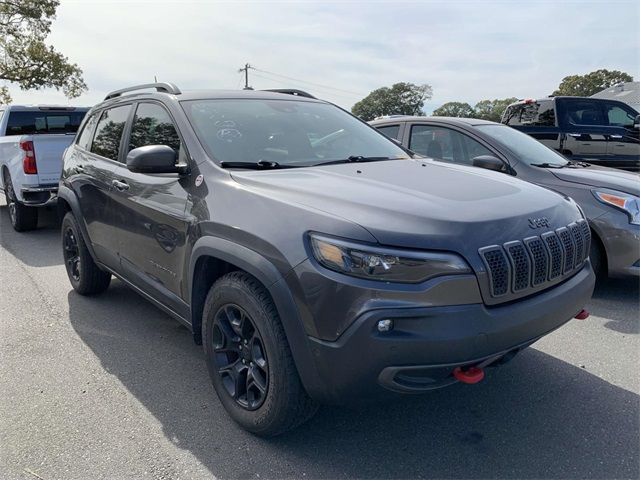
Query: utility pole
246	76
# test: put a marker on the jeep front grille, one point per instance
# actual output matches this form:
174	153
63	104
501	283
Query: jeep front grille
530	264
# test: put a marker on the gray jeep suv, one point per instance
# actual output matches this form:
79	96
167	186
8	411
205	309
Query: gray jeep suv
315	259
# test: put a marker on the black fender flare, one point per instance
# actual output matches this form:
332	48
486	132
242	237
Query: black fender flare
66	194
258	266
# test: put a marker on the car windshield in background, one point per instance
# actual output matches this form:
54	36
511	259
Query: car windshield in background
526	148
285	133
29	123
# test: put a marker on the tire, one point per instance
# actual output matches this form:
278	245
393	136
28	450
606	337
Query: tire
85	276
236	306
597	257
23	218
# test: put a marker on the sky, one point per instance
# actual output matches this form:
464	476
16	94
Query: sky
342	50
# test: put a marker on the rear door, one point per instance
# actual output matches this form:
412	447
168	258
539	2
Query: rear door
91	164
150	219
585	130
52	130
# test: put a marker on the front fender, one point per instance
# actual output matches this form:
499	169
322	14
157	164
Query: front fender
263	270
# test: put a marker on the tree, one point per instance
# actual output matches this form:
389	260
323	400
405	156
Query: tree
401	99
587	85
24	57
492	109
455	109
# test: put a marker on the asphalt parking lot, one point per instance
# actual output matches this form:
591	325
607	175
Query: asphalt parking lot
110	387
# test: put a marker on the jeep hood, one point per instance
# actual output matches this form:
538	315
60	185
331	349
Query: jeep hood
595	176
418	204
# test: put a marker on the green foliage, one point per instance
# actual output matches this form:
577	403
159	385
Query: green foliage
587	85
401	99
25	59
492	109
455	109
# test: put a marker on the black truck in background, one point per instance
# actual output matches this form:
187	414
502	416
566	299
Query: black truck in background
593	130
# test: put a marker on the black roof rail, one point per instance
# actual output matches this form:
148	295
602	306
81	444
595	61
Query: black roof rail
290	91
164	87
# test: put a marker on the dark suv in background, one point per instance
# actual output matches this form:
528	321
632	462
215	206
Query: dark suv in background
594	130
314	258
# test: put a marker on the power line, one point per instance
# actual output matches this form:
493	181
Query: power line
305	81
288	84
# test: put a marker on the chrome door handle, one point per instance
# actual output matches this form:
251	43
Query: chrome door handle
575	135
617	137
122	186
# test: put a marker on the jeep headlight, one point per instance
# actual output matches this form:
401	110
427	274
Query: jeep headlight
630	204
384	264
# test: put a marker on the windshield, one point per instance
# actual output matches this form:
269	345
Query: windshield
526	148
287	132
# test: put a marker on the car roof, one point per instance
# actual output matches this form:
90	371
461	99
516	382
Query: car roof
208	95
45	108
459	121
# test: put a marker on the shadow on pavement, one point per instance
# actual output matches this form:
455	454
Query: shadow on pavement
537	417
37	248
618	300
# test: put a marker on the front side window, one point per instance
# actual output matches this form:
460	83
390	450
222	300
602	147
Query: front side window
527	149
390	131
84	140
446	144
287	132
106	141
618	116
43	121
584	113
152	125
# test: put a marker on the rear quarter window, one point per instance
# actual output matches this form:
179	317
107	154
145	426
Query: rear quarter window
33	123
390	131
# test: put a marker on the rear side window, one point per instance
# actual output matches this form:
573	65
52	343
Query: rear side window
390	131
106	141
541	114
152	125
84	140
585	113
30	123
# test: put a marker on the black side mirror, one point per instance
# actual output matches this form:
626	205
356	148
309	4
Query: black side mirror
636	122
153	159
489	162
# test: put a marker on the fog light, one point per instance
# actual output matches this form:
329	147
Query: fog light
385	325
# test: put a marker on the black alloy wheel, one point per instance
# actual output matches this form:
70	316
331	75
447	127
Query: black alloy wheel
71	252
240	357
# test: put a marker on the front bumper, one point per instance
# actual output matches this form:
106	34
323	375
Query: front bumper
39	196
427	343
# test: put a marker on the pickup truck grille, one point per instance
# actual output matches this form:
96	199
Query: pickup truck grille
531	264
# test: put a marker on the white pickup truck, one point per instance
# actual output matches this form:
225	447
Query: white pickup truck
32	141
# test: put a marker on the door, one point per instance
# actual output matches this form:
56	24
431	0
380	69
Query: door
585	130
448	144
623	143
149	210
90	167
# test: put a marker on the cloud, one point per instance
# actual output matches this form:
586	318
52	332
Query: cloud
466	50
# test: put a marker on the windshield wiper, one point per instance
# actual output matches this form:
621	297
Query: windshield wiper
573	163
547	165
353	159
259	165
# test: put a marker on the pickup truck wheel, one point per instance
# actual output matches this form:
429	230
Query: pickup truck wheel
85	276
23	218
249	360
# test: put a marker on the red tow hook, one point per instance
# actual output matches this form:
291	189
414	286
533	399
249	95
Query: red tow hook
469	376
582	314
